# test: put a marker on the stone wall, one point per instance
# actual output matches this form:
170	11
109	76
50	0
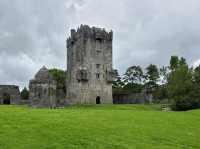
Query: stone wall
42	95
60	97
89	66
128	97
9	94
42	90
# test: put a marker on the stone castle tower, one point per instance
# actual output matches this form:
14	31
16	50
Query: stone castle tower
89	66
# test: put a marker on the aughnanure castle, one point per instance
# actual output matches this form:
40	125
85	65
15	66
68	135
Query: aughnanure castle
89	71
89	75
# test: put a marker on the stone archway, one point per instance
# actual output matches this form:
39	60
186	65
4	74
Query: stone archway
98	100
6	99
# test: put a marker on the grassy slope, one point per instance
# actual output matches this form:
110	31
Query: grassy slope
107	126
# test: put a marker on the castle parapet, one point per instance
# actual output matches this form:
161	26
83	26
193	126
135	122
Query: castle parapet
86	32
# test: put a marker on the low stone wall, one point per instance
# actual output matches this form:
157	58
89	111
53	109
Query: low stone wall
128	97
24	102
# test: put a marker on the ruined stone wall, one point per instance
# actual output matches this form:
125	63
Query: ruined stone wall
128	97
42	94
89	66
60	97
12	92
42	90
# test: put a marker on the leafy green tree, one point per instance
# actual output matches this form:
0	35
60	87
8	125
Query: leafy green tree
24	94
195	93
134	75
152	76
60	77
180	87
182	61
197	75
133	79
174	62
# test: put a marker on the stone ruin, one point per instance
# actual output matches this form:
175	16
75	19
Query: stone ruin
42	89
90	74
89	71
9	94
89	66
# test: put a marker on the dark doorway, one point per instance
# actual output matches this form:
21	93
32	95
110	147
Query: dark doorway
98	100
6	99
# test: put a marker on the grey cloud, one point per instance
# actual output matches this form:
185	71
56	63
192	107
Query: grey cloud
33	33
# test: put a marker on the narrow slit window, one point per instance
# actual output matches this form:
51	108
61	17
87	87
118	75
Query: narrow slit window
97	75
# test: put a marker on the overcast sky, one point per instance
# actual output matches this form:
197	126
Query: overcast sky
33	32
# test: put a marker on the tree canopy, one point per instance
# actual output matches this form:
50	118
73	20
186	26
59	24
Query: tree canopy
60	77
178	83
25	94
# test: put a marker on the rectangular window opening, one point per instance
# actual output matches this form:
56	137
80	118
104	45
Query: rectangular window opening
98	66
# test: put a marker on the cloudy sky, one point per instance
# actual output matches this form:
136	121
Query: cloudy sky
33	32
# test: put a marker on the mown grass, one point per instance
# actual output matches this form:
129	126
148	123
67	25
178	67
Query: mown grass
98	127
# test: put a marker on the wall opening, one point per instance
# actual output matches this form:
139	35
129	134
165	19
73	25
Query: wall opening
6	99
97	75
98	100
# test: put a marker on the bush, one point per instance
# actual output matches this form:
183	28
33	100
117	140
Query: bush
184	104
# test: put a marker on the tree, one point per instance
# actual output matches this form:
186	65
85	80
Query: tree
164	73
180	87
24	94
133	78
174	62
60	77
197	75
134	75
152	76
160	92
195	93
182	61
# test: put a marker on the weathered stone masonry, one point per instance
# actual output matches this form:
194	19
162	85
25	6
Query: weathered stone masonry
43	90
89	66
9	94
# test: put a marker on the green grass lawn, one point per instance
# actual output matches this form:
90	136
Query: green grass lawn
98	127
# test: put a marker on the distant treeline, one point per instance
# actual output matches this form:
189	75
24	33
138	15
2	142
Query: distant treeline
176	84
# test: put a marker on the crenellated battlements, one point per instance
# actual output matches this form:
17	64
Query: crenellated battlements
85	32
